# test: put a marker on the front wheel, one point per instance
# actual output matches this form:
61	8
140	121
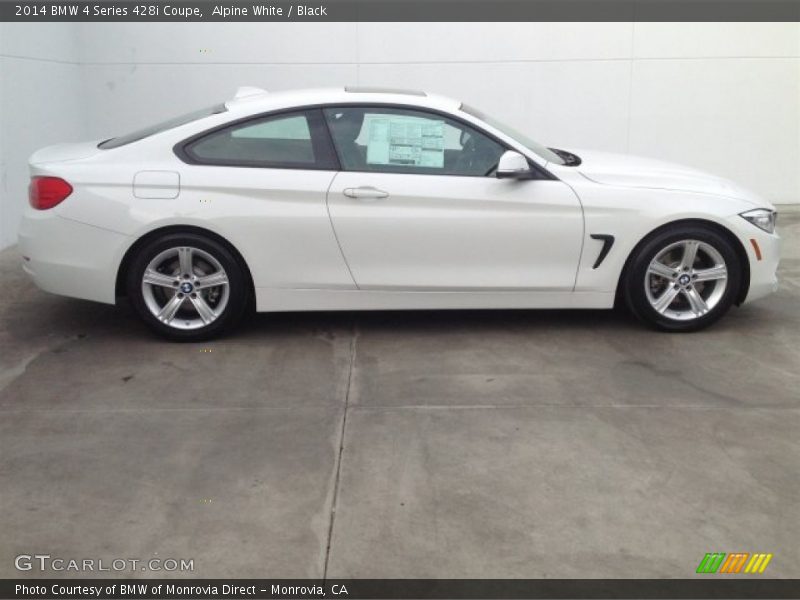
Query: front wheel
683	278
187	287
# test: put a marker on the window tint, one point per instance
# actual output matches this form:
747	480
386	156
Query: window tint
288	128
161	127
294	140
409	141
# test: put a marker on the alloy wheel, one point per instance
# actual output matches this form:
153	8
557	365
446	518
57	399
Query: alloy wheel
185	287
686	280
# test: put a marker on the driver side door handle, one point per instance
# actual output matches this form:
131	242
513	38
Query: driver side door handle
365	193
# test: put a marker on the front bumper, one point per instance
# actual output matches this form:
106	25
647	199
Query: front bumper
763	261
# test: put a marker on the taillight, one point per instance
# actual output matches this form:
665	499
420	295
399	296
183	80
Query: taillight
46	192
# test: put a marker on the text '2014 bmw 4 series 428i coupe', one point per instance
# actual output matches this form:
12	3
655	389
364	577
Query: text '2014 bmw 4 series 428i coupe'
361	199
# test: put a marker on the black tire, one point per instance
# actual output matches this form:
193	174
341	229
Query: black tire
636	279
237	298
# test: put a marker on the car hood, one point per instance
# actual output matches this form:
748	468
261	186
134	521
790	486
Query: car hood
636	172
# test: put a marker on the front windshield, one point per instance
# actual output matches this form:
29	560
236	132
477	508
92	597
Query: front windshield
523	139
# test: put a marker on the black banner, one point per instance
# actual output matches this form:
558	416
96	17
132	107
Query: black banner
401	10
378	589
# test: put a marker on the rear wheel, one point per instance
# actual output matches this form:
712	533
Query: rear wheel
683	278
187	287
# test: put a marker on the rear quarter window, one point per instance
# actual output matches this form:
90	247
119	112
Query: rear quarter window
295	140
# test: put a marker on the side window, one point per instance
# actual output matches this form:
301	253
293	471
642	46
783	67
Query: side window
409	141
291	141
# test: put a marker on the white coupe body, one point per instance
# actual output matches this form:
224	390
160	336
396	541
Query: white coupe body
326	237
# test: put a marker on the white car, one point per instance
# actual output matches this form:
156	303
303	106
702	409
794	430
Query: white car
362	199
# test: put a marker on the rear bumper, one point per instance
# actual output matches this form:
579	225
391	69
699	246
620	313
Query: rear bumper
69	258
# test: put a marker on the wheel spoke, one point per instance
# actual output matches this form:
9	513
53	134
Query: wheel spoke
153	277
696	302
185	258
662	270
664	300
206	313
711	274
689	254
213	280
168	311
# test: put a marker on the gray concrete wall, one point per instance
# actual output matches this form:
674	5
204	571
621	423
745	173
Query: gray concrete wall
41	103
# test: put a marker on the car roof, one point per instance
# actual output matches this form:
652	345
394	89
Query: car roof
250	100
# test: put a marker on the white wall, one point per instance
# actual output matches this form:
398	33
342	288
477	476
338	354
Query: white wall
722	97
40	91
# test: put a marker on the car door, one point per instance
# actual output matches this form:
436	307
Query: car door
263	182
417	207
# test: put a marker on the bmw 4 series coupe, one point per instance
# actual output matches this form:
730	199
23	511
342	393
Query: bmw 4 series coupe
365	199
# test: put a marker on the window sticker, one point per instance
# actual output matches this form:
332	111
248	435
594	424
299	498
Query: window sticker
405	141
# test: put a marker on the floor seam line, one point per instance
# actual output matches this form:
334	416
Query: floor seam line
366	407
340	454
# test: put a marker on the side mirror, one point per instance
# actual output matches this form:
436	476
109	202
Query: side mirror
512	165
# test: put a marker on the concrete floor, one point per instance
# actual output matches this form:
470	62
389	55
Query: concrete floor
465	444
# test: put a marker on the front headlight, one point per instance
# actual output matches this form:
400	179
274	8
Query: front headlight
761	218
